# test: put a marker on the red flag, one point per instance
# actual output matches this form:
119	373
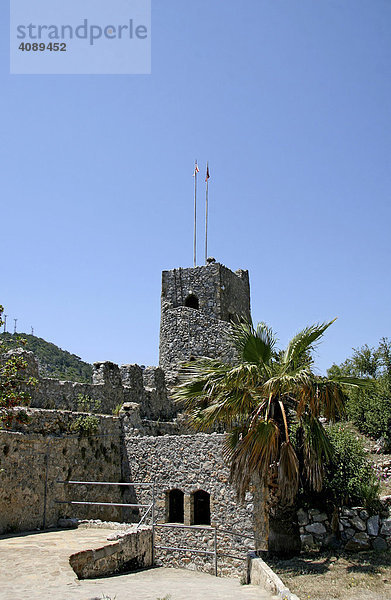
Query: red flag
196	169
207	172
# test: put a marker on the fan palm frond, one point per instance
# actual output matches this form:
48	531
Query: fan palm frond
254	452
253	345
257	399
300	348
317	451
357	382
288	473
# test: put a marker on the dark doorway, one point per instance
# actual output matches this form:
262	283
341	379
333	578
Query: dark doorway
192	301
175	506
201	508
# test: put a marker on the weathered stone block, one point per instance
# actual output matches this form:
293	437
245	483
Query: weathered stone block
386	527
344	522
379	544
373	525
317	528
107	373
132	551
302	517
320	518
358	542
132	379
347	534
31	369
358	523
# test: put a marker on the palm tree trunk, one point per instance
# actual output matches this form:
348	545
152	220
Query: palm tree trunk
260	514
284	533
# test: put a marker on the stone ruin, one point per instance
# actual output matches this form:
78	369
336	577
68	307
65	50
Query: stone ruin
148	440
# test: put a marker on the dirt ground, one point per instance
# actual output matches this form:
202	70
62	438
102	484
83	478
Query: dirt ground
327	576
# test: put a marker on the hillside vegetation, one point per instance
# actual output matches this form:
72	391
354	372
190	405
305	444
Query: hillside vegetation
52	360
370	409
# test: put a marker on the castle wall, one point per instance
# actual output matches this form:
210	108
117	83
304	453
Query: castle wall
64	395
221	292
112	386
34	456
187	332
147	442
191	463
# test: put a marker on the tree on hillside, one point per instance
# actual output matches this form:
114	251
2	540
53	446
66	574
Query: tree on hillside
13	383
370	408
258	400
52	360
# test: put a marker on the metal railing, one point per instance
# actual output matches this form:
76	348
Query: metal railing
216	531
192	550
149	507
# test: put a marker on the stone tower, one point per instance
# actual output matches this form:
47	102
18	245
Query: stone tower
197	306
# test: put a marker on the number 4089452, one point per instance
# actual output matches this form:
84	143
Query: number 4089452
41	47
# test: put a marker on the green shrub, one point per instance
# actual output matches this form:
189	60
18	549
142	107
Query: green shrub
85	424
87	404
351	478
369	409
14	384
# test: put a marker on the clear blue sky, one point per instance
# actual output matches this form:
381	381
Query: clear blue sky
289	100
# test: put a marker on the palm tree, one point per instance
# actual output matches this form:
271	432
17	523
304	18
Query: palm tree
258	400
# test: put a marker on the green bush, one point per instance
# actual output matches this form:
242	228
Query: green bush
350	479
85	424
14	384
370	409
87	404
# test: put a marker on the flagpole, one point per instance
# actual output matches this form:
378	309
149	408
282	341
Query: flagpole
206	211
195	213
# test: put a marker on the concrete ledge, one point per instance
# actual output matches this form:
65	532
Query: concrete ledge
131	552
261	574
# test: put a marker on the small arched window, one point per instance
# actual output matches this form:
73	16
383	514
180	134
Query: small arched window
192	301
175	506
201	503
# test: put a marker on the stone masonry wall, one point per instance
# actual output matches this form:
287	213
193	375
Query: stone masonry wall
220	292
191	463
111	387
130	551
187	332
34	456
357	529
